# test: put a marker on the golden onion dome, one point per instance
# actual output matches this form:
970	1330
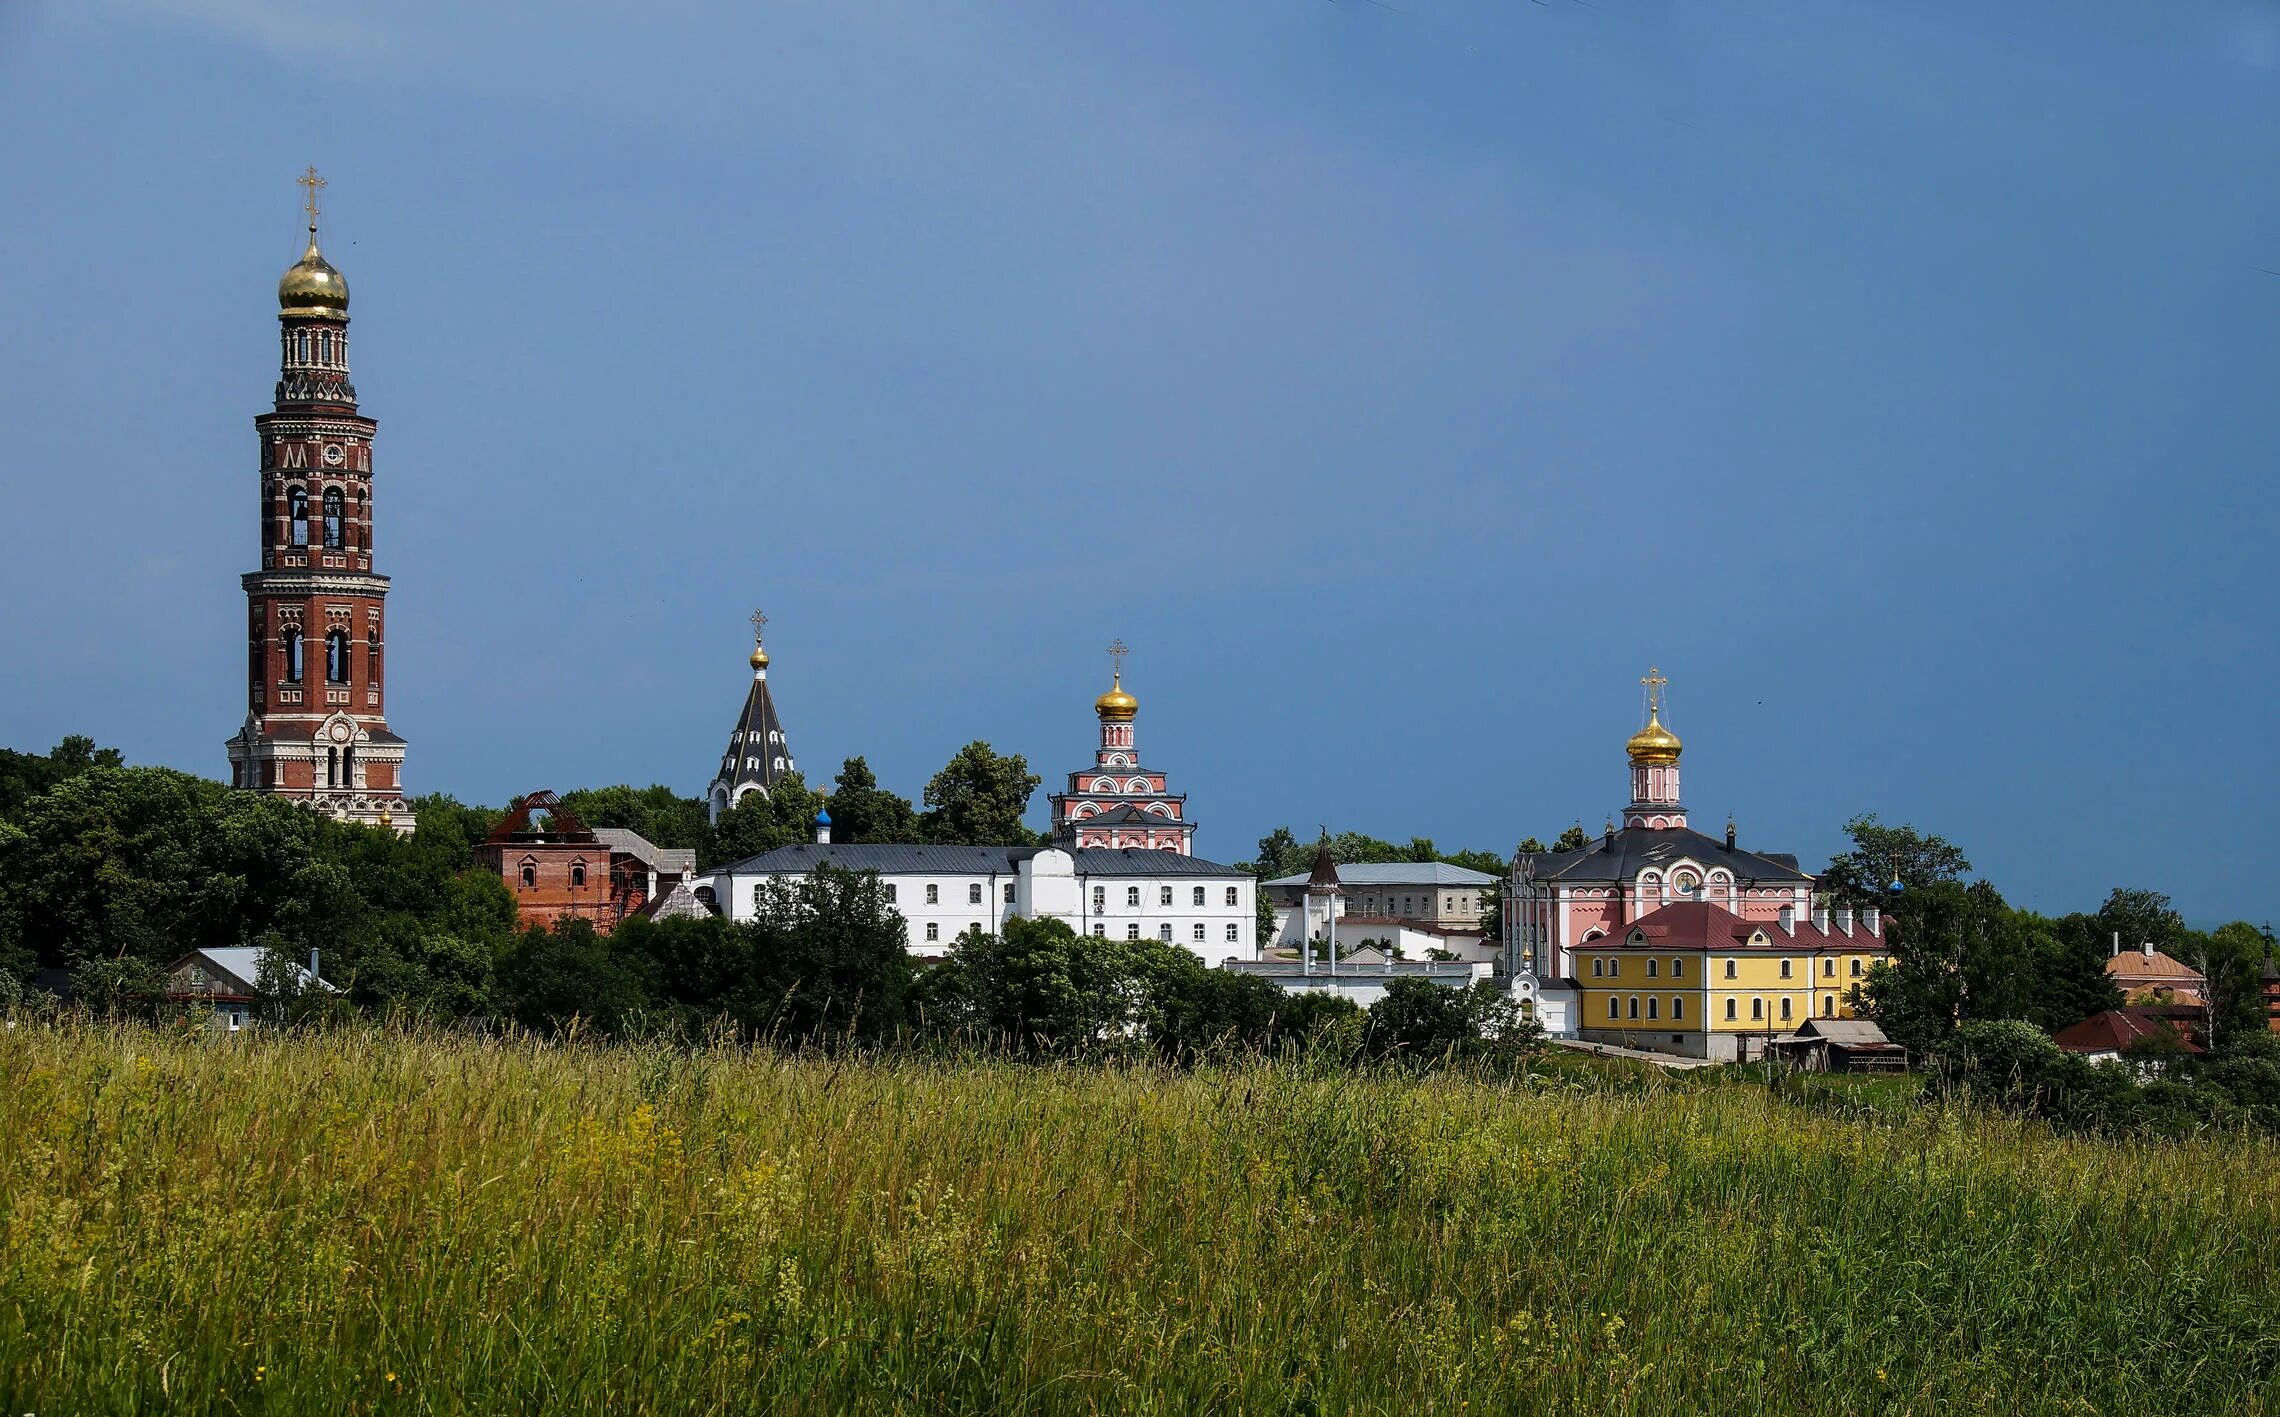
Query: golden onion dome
1654	745
1116	706
759	656
312	289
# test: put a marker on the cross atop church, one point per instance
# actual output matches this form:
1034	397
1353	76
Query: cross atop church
1654	682
312	182
1116	653
759	624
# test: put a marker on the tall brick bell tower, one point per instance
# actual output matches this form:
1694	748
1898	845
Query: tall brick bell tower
315	729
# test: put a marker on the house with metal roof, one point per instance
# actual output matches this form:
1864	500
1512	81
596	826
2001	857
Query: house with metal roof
234	979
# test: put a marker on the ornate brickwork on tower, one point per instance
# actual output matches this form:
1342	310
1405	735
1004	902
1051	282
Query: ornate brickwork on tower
1116	802
315	727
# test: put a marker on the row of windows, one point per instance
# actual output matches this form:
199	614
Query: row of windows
577	875
304	346
934	893
1197	933
297	512
1449	904
1197	896
1678	1008
1614	968
336	656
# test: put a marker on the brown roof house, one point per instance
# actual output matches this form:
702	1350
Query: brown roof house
2147	976
2139	1036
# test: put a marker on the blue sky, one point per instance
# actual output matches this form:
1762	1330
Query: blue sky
1400	383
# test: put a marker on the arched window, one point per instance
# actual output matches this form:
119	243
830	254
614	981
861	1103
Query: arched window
1677	1008
1614	1007
336	656
297	512
1785	969
1785	1008
292	638
578	873
1829	967
1654	966
1757	1008
372	658
529	876
324	346
1856	968
1729	1010
1678	969
1634	1006
332	518
1598	968
1729	969
1651	1002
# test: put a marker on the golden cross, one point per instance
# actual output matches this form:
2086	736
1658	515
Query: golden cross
1654	682
311	181
759	623
1116	652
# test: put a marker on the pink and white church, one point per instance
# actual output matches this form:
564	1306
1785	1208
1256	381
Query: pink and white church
1116	802
1556	901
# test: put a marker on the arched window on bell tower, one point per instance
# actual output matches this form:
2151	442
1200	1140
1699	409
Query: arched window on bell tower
292	639
372	659
333	518
297	513
336	656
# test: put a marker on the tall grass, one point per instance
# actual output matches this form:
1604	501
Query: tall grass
368	1222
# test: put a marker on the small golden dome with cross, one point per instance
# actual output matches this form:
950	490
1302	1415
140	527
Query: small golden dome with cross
1654	745
1116	706
311	289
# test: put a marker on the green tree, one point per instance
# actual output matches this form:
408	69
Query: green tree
662	816
784	815
1263	921
978	799
2070	982
1863	875
551	978
24	776
150	863
1037	988
2232	959
1423	1022
1955	952
862	811
1573	839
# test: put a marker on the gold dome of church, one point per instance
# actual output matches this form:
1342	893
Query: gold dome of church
312	289
1654	745
1116	706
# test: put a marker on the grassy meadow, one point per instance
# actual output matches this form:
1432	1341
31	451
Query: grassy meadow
374	1222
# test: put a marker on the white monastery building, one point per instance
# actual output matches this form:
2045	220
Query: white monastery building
1120	863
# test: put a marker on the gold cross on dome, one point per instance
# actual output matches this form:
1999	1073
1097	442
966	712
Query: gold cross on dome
1654	682
1116	652
311	181
759	624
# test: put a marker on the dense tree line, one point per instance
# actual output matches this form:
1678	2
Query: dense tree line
109	873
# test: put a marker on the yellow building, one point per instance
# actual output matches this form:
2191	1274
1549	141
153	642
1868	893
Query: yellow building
1697	979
